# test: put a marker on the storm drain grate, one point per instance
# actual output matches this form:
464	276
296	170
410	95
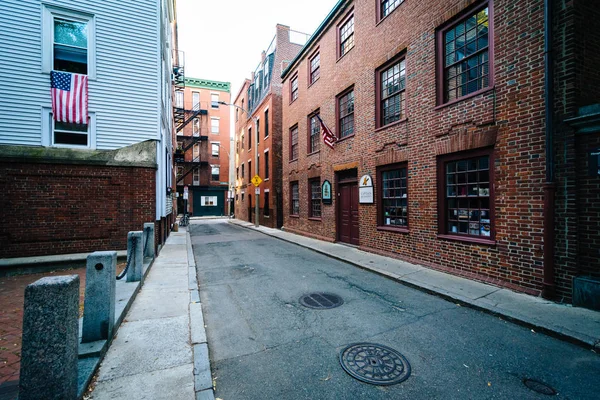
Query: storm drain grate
539	387
375	364
321	301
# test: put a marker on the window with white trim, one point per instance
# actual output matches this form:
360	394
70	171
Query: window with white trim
196	175
215	149
214	125
196	127
214	100
195	100
68	41
215	172
61	134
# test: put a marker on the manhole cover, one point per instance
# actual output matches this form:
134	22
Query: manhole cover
321	301
539	387
375	364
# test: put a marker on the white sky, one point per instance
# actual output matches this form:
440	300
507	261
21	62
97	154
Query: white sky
222	40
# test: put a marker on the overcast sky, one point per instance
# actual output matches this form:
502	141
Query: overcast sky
222	40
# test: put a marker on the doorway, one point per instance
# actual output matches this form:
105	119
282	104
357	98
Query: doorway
347	207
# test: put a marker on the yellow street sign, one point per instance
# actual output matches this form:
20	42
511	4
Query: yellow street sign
256	180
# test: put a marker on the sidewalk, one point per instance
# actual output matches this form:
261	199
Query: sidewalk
577	325
160	351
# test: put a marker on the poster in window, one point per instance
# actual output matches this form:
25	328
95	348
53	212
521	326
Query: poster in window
326	192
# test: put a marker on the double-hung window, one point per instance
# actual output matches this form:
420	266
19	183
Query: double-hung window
465	55
294	88
314	130
215	171
266	165
214	100
393	188
387	6
215	149
68	41
195	100
196	127
345	103
294	143
179	99
391	82
294	199
314	185
249	138
214	125
266	123
466	195
315	68
346	36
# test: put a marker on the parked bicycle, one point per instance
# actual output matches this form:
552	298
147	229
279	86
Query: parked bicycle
184	220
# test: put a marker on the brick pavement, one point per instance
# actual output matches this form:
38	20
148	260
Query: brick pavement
12	291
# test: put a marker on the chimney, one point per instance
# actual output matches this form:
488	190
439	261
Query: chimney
283	33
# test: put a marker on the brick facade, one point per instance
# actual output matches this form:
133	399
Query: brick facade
281	50
202	159
49	209
506	118
576	53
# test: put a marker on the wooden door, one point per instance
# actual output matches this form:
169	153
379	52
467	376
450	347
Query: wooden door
348	231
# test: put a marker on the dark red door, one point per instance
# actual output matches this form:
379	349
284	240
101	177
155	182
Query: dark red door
348	213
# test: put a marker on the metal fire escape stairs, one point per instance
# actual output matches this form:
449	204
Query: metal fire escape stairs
182	118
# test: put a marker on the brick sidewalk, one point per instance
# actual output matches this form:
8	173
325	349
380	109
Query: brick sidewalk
12	292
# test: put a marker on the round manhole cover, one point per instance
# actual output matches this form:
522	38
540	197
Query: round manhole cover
321	301
539	387
375	364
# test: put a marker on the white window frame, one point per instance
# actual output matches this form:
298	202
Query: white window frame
196	127
48	131
218	147
48	14
177	96
212	168
212	101
196	153
218	125
196	177
195	96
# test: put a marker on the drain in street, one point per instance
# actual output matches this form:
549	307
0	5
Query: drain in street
539	387
375	364
321	301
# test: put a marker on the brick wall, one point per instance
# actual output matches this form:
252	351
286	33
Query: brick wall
49	209
508	118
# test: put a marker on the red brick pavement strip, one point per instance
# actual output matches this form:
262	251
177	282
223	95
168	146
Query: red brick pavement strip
12	292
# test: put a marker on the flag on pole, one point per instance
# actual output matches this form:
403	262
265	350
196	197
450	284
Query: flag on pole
328	137
69	97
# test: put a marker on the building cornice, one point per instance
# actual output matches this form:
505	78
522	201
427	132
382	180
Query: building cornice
208	84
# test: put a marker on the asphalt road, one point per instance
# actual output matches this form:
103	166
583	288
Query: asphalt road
265	345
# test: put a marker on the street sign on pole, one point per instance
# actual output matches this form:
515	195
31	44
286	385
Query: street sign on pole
256	180
185	192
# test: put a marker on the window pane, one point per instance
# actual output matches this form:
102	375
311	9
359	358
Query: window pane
394	197
467	204
70	33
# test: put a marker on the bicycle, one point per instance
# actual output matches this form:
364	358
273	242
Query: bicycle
184	220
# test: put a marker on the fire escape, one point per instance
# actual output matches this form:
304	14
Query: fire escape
182	118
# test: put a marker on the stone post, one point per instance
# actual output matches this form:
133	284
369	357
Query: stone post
50	339
149	231
99	306
134	273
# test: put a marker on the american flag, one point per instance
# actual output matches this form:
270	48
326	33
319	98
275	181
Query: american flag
328	137
69	97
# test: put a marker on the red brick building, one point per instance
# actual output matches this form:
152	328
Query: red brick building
258	116
203	142
438	110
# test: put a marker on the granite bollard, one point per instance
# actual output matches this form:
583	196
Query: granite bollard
100	289
50	339
149	238
136	255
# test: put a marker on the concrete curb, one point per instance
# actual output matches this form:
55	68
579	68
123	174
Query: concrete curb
92	354
556	331
202	372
